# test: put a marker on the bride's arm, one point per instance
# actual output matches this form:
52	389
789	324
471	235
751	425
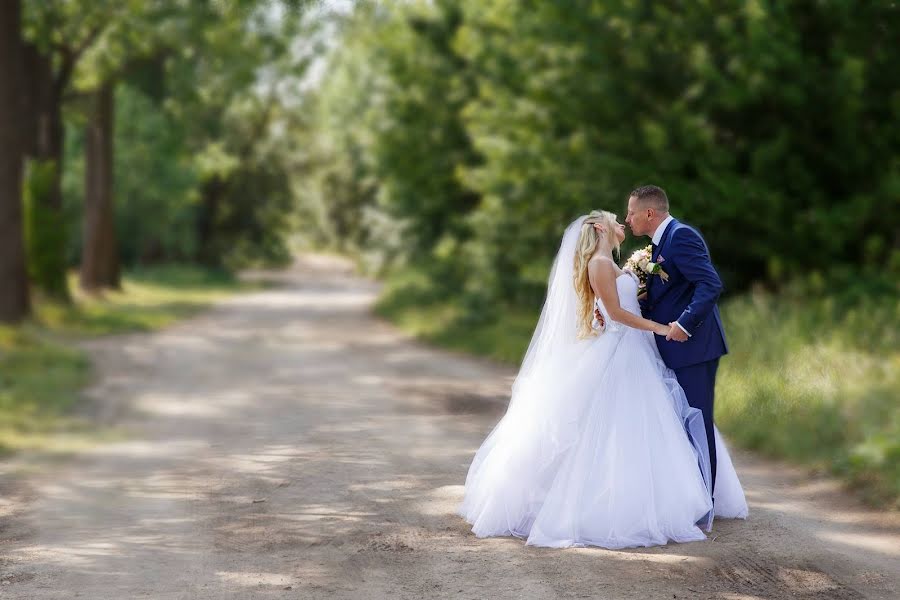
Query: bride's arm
602	274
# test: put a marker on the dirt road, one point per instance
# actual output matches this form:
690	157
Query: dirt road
288	445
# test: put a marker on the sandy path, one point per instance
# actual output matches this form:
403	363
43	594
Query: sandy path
287	445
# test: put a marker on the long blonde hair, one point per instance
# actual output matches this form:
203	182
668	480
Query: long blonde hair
598	225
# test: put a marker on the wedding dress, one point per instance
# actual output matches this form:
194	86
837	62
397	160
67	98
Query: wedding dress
598	445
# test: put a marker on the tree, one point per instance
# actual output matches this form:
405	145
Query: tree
128	46
482	127
14	298
90	48
100	252
59	33
133	50
390	139
751	115
228	92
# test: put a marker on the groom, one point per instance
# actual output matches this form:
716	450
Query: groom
686	300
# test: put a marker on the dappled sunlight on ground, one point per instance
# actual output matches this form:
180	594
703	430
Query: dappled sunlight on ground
883	543
255	579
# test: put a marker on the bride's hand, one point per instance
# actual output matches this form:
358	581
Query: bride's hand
661	329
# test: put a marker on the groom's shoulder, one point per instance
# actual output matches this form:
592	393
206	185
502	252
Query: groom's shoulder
686	238
685	231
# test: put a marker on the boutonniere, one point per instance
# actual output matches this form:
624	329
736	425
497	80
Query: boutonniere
641	265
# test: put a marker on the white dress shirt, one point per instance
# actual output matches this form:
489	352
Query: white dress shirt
657	238
657	235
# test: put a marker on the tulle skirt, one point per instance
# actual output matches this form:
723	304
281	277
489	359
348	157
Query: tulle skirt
601	449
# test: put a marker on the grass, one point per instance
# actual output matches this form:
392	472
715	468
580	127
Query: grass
39	379
818	385
42	371
408	301
807	379
150	298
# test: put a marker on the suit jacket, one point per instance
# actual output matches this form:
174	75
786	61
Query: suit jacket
689	297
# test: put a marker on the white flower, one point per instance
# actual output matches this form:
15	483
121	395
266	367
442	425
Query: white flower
641	264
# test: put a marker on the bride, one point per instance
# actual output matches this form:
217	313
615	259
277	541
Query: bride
598	445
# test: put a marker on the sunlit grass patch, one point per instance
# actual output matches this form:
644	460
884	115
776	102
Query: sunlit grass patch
811	384
39	383
440	318
149	299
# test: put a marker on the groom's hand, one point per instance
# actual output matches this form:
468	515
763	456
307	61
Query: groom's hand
676	333
599	316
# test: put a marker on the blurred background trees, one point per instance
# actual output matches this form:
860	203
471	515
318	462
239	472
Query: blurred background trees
485	126
145	136
454	138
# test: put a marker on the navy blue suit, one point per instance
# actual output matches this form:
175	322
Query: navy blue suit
689	297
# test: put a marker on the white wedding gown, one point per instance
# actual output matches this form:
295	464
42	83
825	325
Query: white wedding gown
594	449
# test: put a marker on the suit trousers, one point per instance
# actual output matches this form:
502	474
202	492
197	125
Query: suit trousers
699	384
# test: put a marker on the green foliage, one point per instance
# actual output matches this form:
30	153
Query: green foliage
228	91
412	302
815	380
484	127
390	113
202	153
45	238
155	184
38	378
253	227
739	110
421	139
336	186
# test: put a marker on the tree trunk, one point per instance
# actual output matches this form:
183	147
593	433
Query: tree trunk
100	255
14	300
44	145
211	193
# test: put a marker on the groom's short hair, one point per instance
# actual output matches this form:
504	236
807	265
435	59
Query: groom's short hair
652	196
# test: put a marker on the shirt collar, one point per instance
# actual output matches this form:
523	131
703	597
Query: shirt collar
657	235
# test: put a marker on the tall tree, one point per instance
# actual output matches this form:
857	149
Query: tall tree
129	46
14	300
100	256
152	49
59	33
81	47
134	42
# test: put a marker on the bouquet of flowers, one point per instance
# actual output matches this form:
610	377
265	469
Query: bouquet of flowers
641	265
